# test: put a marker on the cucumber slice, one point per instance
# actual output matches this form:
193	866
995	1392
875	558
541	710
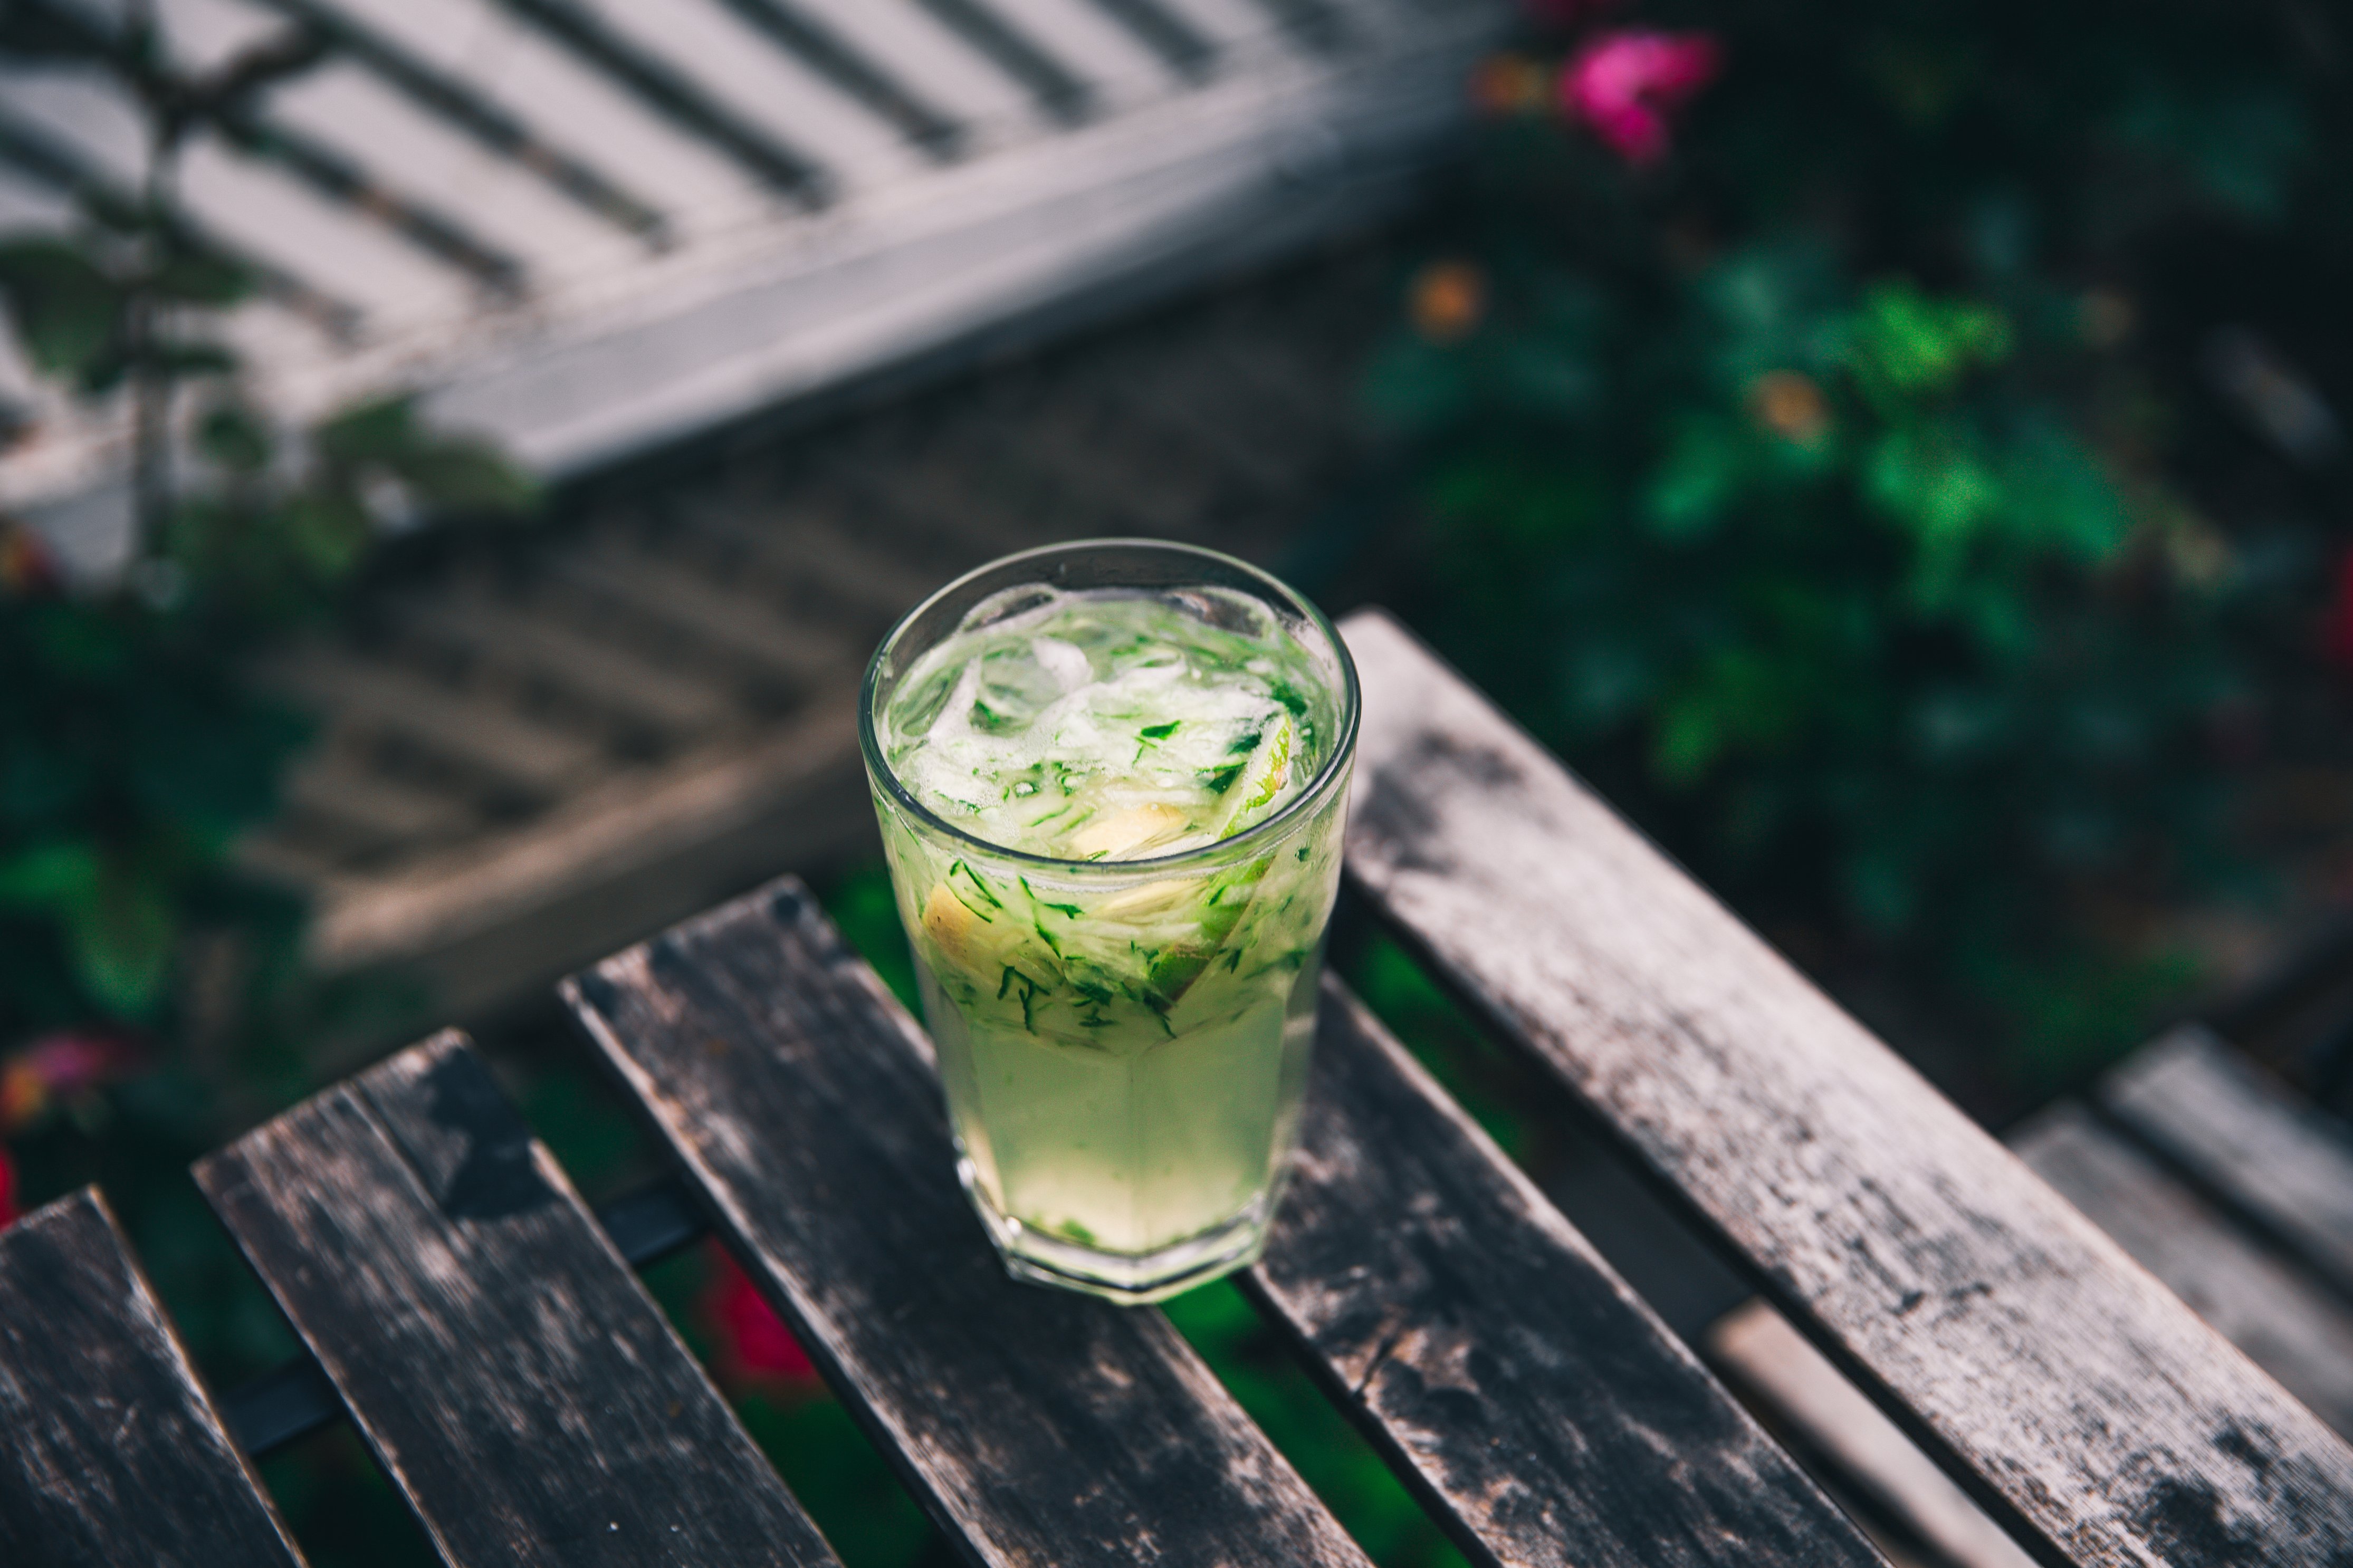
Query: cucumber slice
1251	797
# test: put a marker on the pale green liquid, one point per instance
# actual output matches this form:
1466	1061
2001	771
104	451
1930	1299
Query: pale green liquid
1124	1065
1128	1151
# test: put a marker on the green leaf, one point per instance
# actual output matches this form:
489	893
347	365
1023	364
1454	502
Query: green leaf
193	278
467	478
1910	347
181	361
447	474
122	943
234	437
1688	738
51	877
67	312
1927	480
119	925
324	536
380	432
1698	479
2062	500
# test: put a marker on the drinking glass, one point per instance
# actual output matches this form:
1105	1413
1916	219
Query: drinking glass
1130	1148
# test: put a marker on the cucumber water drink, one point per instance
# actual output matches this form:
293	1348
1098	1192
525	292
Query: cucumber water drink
1113	811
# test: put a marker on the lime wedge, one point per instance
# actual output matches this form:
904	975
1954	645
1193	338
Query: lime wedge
1128	834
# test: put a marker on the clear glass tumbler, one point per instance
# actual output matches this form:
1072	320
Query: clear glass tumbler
1123	1042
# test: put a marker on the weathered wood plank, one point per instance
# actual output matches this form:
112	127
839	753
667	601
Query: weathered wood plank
110	1452
1810	1398
589	665
2290	1325
1040	1428
1987	1316
2281	1163
646	1224
1512	1377
485	736
509	1372
734	623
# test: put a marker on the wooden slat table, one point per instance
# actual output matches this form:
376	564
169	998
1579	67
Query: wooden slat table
2083	1404
518	1384
483	1330
110	1450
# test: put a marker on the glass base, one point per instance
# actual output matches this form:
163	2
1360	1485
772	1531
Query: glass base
1130	1279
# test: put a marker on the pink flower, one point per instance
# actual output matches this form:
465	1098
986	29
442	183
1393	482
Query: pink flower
1626	82
59	1067
754	1346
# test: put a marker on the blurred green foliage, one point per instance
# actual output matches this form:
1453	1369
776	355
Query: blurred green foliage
1816	490
132	751
153	1000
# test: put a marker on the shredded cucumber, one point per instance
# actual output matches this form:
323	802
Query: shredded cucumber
1099	727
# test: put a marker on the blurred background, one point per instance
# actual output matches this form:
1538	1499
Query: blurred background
457	455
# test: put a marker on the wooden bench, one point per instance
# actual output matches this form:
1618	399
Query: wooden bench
2213	1175
486	1335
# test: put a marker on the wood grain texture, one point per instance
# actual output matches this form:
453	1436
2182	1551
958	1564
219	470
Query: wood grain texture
1040	1428
2280	1163
1811	1399
2290	1325
1513	1379
515	1381
1986	1314
110	1453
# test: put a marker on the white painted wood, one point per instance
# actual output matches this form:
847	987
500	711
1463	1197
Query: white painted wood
419	156
29	207
1121	67
930	60
269	215
1238	165
756	300
206	35
1244	26
768	87
86	113
449	34
570	105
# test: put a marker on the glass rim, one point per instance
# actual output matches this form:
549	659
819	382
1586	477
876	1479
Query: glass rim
1319	788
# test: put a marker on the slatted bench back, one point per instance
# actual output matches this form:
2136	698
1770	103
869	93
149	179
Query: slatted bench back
589	229
2085	1405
